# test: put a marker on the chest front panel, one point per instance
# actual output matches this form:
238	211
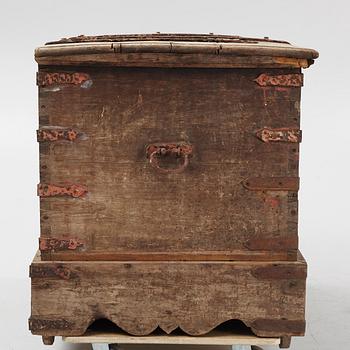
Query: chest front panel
107	194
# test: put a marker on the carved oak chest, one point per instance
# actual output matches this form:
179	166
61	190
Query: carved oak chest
179	150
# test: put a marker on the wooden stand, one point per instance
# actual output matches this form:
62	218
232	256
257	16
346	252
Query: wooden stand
140	297
238	341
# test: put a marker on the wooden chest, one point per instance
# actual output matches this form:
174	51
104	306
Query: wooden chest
169	148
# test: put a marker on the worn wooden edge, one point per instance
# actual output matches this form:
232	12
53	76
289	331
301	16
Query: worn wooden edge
263	255
38	259
280	269
172	60
214	337
177	47
271	328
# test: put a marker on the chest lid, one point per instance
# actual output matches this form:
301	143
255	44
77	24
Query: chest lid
175	50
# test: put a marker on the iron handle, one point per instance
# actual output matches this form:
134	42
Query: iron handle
173	149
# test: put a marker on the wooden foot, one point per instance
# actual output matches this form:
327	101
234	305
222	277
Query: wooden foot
48	339
114	347
285	342
254	347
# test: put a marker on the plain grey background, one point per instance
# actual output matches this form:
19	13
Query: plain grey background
325	172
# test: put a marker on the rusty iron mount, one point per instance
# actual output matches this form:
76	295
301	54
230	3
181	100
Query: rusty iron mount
48	79
286	80
292	135
50	190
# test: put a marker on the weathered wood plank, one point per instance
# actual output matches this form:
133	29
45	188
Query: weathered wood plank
141	296
237	255
172	60
215	337
175	50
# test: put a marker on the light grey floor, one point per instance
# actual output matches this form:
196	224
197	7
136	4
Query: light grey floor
328	317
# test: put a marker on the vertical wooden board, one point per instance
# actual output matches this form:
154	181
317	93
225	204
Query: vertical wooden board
131	207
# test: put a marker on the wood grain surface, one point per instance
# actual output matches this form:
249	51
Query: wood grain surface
215	337
131	210
171	60
67	297
175	50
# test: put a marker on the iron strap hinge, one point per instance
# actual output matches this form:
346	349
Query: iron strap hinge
57	134
292	134
47	244
272	183
50	190
285	80
46	79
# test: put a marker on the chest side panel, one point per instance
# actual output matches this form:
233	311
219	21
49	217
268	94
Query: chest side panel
238	194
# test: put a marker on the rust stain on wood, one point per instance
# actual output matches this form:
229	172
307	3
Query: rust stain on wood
272	183
46	244
57	78
272	201
51	271
267	135
286	80
50	190
57	134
